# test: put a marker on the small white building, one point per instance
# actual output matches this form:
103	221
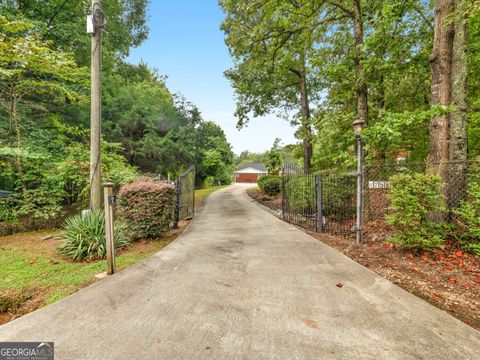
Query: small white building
249	173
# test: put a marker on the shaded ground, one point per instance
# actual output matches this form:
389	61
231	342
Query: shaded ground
448	279
241	284
33	274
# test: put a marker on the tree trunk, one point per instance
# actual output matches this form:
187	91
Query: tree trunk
306	126
361	86
14	119
441	64
458	119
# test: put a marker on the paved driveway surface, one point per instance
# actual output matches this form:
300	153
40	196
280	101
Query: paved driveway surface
241	284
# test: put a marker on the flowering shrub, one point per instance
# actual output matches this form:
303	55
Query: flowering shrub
147	208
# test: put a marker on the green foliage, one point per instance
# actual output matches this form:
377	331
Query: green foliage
300	190
338	196
415	199
147	208
467	220
208	182
84	237
274	160
162	133
44	152
263	179
273	186
63	22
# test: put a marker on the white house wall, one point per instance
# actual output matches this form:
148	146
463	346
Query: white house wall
250	170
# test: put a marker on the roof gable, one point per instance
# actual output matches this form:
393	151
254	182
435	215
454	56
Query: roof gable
256	166
250	170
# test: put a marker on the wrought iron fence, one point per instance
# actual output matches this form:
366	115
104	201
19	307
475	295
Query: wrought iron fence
299	201
326	201
323	202
185	193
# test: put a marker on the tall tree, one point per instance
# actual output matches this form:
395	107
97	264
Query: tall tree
31	72
355	13
271	43
441	62
458	119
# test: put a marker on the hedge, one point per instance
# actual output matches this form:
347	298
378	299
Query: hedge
263	179
147	208
272	186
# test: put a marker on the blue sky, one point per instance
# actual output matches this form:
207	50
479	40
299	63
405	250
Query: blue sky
187	45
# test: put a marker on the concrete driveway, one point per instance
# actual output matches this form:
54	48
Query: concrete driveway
241	284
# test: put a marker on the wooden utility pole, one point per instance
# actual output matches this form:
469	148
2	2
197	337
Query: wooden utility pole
109	201
96	107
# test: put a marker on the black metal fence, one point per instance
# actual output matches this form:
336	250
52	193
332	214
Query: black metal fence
326	201
322	202
185	192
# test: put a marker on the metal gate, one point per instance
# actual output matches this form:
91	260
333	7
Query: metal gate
185	193
322	202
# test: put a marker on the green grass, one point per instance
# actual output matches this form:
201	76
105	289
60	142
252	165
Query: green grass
201	194
32	267
24	272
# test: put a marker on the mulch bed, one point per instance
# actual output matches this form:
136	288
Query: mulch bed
273	202
447	278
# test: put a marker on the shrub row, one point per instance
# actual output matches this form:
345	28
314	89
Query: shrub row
147	208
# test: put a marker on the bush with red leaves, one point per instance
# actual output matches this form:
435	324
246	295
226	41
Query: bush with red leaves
147	208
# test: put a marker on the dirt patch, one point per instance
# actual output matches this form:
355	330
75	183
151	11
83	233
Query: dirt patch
44	242
448	279
273	202
15	304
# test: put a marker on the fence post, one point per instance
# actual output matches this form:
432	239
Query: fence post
318	181
177	204
109	201
283	192
193	192
359	189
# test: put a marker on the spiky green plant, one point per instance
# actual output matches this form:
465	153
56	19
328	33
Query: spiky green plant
84	237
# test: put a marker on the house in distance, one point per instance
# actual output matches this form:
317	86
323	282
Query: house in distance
249	173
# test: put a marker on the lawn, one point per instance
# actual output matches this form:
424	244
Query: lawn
34	274
203	193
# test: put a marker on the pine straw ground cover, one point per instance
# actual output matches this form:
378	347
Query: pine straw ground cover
447	278
273	202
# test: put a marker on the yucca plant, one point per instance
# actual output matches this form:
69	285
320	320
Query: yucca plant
84	237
